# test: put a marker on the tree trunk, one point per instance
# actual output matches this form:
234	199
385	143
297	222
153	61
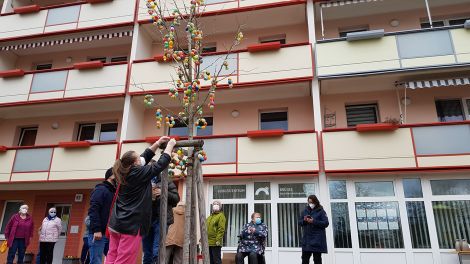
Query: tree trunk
163	216
202	210
194	242
189	188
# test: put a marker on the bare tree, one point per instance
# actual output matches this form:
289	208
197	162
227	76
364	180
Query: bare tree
180	27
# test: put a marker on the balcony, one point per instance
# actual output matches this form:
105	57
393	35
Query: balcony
64	83
243	155
218	6
393	52
54	163
65	17
410	147
291	62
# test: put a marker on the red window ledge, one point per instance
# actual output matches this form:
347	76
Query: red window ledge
265	133
159	58
376	127
264	47
75	144
97	1
152	140
26	9
3	149
88	65
11	73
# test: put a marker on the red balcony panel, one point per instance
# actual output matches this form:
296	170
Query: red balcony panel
264	47
88	65
376	127
75	144
265	133
11	73
27	9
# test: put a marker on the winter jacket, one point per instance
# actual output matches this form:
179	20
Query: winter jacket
100	205
314	235
132	211
173	200
216	229
255	241
50	229
175	236
10	229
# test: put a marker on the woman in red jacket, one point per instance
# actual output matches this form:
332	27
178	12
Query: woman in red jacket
18	232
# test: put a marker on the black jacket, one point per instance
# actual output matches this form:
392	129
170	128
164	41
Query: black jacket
173	199
132	211
314	235
100	205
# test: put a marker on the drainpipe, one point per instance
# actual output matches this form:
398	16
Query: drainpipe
429	12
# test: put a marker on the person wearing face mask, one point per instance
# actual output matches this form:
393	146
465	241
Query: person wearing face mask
215	232
98	213
18	233
48	235
314	221
252	241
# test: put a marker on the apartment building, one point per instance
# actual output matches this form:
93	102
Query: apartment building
363	102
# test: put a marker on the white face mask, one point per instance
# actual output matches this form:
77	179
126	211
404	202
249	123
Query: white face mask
142	161
311	205
216	207
23	210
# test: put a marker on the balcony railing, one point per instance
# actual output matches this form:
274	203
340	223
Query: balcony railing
66	17
395	51
53	163
288	63
63	83
217	6
294	152
410	147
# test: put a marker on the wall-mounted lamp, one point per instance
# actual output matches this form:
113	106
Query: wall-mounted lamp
55	125
394	23
405	100
235	113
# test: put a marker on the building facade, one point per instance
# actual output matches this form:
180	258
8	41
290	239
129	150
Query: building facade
364	103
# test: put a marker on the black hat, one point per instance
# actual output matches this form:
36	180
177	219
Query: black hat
108	173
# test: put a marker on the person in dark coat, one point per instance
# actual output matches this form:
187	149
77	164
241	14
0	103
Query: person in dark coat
314	221
151	242
131	214
98	213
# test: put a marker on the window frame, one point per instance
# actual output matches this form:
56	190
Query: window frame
22	131
462	107
260	112
97	133
376	108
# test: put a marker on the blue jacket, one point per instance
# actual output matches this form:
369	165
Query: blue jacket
314	235
100	205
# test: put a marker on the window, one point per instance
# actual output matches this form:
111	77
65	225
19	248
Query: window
418	224
43	66
229	192
341	225
236	216
444	23
296	190
449	110
452	221
378	225
11	208
412	188
209	47
102	59
262	191
434	24
265	210
276	38
273	120
288	228
119	59
338	189
209	128
361	114
450	187
178	129
374	189
28	136
343	32
97	132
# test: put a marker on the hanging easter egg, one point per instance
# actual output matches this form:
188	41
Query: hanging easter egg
230	83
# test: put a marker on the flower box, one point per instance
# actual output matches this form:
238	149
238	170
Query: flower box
159	58
3	149
88	65
11	73
75	144
152	140
26	9
376	127
265	133
264	47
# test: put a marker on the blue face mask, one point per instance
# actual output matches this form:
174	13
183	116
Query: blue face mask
52	214
257	220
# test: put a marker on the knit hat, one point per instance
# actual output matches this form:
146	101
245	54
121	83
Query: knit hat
108	173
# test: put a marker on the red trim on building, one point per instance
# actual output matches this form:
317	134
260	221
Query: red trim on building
88	65
3	149
97	1
270	46
414	147
376	127
265	133
12	73
75	144
245	175
69	99
400	170
27	9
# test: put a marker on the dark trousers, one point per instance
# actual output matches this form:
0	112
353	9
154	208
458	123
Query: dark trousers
20	246
253	258
85	257
47	252
306	257
215	255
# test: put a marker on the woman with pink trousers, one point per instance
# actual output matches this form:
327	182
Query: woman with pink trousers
131	213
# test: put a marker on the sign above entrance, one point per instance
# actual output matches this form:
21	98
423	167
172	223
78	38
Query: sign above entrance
296	190
229	192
